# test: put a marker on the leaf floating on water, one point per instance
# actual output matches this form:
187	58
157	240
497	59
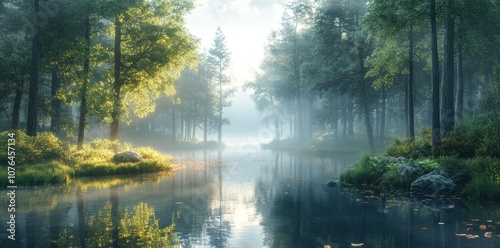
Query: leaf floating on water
470	236
440	223
357	245
327	246
488	235
425	228
475	220
470	229
482	227
460	234
489	221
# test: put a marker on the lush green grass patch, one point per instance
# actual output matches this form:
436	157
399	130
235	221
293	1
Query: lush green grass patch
45	159
36	174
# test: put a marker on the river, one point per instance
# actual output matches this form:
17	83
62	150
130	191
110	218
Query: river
242	197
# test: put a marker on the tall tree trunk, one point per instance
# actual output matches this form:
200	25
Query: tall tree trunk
460	78
115	114
448	113
205	126
219	129
182	122
436	126
83	91
55	121
33	93
276	128
364	100
174	131
410	113
16	109
350	117
382	121
470	95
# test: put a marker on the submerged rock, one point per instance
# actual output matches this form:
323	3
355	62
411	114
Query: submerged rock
332	183
433	184
411	170
127	156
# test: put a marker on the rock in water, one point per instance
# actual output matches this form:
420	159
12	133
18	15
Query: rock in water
127	156
331	183
433	184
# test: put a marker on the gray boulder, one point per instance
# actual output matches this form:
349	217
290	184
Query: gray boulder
410	170
433	184
459	177
127	156
401	160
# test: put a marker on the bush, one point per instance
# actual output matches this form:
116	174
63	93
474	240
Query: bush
44	147
482	187
478	136
415	148
366	171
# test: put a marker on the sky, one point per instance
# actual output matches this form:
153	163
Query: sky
246	25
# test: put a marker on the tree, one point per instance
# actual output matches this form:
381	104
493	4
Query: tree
219	57
31	128
436	125
151	47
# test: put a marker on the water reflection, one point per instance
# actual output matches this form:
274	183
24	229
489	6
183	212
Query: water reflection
243	199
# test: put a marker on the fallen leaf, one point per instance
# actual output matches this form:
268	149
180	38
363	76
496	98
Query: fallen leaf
357	245
440	223
425	228
488	234
482	227
460	234
470	229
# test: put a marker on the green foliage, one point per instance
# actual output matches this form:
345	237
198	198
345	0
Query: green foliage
478	136
366	171
482	187
417	147
45	146
45	159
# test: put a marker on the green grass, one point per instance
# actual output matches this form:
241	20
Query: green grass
47	160
482	187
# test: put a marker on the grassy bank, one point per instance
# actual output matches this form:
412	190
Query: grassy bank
47	160
326	143
472	147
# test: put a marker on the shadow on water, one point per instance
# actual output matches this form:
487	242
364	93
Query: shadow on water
243	198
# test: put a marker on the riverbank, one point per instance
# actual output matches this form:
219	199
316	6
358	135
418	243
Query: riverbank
47	160
323	144
467	163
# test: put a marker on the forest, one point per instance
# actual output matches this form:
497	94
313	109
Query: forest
370	70
395	104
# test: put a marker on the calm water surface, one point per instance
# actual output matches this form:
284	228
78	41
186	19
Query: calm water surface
242	197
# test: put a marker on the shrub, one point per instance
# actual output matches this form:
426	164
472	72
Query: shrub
482	187
366	171
478	136
45	146
417	147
